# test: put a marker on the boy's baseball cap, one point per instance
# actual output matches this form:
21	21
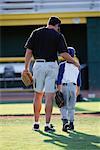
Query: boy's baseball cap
71	51
54	20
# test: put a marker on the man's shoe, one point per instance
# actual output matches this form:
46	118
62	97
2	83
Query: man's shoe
49	129
65	127
71	126
36	127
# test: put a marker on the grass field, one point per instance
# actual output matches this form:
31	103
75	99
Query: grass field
26	108
16	132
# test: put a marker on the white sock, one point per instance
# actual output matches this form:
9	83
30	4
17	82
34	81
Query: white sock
47	124
36	122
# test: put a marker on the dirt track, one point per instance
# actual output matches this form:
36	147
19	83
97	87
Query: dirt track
54	115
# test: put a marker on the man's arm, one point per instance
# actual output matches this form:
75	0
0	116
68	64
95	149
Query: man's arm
67	57
28	56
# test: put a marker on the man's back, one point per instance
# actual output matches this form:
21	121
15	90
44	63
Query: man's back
45	43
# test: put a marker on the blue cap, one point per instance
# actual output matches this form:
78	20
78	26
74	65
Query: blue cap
71	51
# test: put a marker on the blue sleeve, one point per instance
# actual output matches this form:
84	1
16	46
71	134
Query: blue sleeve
60	73
79	79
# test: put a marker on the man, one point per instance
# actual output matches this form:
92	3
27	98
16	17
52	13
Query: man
68	81
43	44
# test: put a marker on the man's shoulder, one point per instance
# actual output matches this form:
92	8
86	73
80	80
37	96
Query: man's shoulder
39	29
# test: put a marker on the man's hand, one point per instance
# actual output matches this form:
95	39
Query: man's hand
77	64
26	77
67	57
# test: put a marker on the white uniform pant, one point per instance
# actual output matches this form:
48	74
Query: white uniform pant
69	92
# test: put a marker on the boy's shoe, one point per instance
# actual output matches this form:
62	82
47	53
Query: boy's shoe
65	127
36	127
71	126
49	129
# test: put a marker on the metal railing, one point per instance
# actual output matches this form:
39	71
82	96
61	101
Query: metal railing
45	6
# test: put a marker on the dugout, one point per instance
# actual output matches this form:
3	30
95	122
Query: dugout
14	38
83	35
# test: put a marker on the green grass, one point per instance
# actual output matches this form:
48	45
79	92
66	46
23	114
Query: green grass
16	134
23	108
27	108
88	107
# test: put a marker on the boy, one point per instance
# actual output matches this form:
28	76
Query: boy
67	82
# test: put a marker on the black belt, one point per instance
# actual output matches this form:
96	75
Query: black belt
44	60
65	84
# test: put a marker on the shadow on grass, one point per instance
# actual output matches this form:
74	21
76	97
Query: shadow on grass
75	140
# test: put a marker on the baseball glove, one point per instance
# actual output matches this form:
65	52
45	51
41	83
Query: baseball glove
27	78
59	99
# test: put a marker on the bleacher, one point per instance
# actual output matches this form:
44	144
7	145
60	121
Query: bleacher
10	71
45	6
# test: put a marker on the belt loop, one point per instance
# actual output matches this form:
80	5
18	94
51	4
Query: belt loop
74	83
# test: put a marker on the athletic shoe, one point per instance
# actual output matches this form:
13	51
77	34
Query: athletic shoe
51	126
65	127
71	126
36	127
49	129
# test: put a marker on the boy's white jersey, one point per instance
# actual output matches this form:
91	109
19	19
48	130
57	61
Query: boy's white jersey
70	73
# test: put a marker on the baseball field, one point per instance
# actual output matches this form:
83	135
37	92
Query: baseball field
16	129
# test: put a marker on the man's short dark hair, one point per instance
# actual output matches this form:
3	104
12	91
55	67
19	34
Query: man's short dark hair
54	20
